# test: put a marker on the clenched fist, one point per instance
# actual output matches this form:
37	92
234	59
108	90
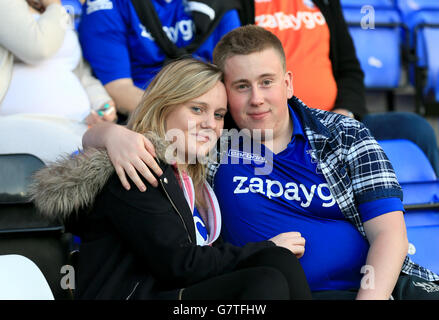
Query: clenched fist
292	241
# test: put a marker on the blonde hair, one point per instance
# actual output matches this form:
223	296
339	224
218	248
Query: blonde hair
246	40
178	82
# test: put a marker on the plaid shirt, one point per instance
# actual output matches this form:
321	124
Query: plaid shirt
354	165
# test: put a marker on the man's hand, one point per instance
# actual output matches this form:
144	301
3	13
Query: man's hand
292	241
130	153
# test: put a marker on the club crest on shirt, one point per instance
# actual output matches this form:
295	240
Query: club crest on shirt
96	5
246	156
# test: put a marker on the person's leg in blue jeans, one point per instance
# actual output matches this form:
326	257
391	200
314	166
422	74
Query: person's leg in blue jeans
405	125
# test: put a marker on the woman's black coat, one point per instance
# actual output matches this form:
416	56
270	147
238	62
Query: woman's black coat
142	244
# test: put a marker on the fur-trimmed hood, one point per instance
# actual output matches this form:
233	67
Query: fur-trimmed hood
72	183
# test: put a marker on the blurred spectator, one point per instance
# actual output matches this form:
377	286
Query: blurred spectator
321	55
123	53
43	79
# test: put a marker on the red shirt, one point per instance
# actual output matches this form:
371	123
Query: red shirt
303	31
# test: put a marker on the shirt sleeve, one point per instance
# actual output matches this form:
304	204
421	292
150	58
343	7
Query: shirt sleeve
229	22
103	36
372	209
95	91
31	40
370	170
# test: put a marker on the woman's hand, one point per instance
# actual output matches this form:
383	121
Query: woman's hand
106	113
292	241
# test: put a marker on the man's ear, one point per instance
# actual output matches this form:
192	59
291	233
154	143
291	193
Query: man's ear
289	84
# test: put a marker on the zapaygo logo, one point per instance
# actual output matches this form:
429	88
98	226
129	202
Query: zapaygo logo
290	191
282	21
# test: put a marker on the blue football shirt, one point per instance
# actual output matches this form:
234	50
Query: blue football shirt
118	45
294	196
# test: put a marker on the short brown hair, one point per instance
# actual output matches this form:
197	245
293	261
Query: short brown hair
246	40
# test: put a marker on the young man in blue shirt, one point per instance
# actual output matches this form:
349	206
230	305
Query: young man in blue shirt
325	177
258	87
123	53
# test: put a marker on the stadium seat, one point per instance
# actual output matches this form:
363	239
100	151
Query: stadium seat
407	7
377	33
23	231
414	173
421	200
437	88
427	52
408	160
422	20
378	4
423	235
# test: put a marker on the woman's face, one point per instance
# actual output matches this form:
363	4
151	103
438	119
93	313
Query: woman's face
195	126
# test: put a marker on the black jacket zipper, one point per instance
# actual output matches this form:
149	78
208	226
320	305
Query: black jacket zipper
178	212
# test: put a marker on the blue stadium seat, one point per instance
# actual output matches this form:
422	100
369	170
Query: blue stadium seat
74	8
380	4
423	235
414	172
378	45
422	20
428	39
407	7
421	200
408	160
437	88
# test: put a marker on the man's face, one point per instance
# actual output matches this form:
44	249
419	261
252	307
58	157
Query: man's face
258	89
